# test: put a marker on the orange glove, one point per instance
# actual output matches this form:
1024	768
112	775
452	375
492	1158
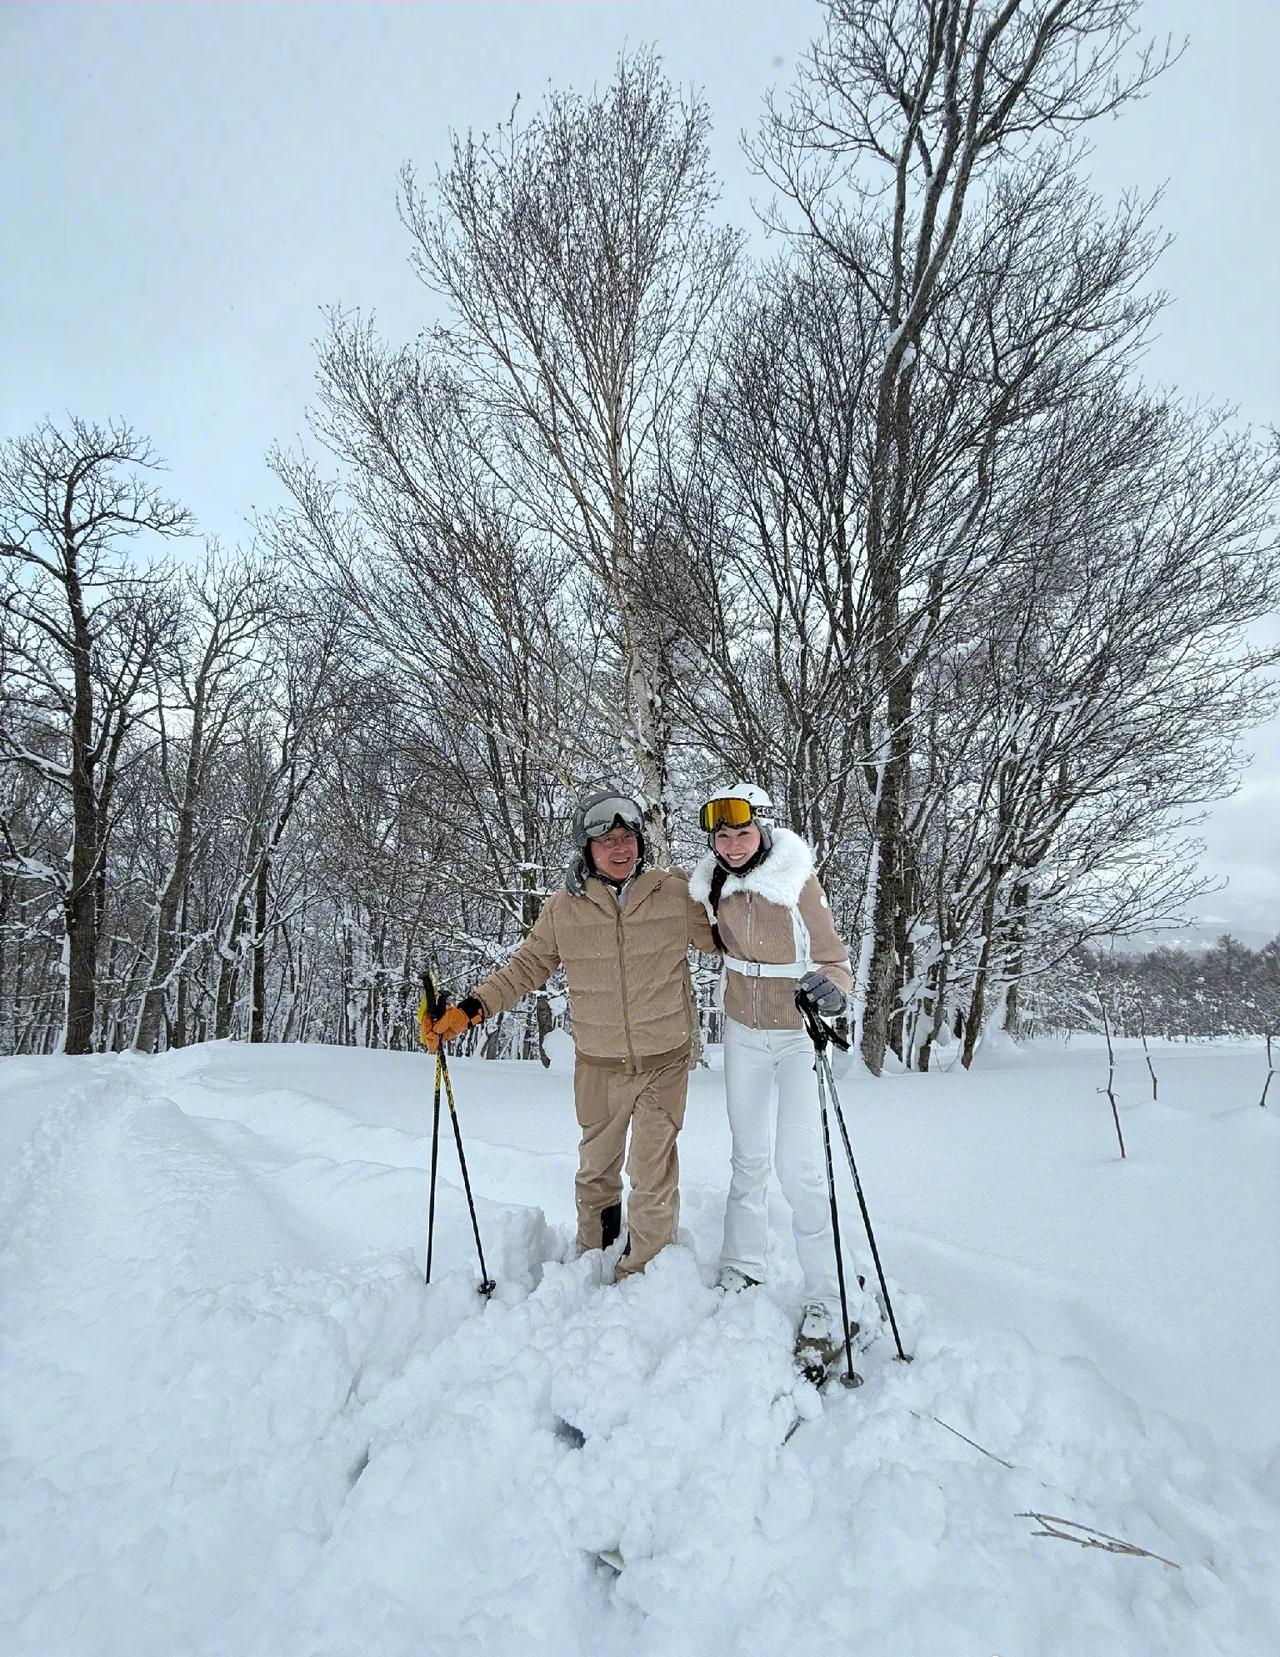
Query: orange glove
453	1021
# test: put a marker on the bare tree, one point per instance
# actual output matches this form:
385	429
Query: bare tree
1096	698
576	255
774	519
84	629
34	820
282	743
475	626
906	112
228	605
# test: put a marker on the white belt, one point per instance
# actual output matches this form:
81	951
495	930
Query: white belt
765	969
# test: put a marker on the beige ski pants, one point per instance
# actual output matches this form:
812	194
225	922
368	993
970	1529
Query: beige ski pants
649	1100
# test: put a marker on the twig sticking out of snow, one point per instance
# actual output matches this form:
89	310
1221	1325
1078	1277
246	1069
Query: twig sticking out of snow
1271	1070
1064	1530
1109	1090
1142	1029
1085	1536
1012	1466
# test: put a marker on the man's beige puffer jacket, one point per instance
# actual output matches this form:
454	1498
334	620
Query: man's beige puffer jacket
628	969
756	924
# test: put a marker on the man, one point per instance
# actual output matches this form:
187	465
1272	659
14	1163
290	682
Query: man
622	933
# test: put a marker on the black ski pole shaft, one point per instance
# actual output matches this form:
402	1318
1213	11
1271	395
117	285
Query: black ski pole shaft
435	1006
487	1284
862	1203
435	1161
849	1379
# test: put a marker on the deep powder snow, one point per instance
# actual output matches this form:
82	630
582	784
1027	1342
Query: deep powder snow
233	1420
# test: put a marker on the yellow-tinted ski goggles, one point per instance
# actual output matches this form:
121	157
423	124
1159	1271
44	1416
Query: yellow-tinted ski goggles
728	813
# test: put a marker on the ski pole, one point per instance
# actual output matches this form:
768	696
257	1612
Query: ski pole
820	1034
848	1379
435	1160
866	1217
435	1006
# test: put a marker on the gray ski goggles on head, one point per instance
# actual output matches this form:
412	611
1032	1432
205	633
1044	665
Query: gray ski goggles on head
601	815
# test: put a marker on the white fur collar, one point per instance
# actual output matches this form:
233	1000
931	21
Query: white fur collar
780	878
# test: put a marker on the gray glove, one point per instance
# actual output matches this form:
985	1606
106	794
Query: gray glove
817	991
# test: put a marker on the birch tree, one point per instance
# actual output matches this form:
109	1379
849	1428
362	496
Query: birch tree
576	254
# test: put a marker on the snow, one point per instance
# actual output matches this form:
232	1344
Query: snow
233	1420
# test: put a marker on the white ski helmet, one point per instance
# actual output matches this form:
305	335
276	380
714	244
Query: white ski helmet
734	806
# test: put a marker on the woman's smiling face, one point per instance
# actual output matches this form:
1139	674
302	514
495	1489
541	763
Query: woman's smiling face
737	845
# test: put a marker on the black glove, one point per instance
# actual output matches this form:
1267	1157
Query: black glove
818	993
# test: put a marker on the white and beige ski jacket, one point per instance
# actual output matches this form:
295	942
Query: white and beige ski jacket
776	925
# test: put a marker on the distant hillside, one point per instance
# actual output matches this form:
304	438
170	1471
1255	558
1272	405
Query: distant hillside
1194	939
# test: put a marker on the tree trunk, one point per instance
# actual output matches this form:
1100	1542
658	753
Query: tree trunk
903	1021
172	899
939	977
81	904
545	1025
146	1028
228	973
978	1000
889	861
81	920
1018	932
259	954
181	996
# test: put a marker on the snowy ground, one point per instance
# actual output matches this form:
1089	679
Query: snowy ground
232	1420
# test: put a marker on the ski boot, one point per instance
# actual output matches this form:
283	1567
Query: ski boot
732	1281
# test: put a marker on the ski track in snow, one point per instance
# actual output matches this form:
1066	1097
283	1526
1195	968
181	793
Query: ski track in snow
234	1421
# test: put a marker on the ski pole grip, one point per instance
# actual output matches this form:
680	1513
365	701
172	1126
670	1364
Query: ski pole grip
820	1032
436	998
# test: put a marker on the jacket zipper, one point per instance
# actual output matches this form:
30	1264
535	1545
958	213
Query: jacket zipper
626	1022
755	982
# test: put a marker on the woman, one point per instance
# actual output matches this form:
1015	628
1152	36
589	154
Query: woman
767	906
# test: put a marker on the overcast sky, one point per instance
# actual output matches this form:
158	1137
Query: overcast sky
185	185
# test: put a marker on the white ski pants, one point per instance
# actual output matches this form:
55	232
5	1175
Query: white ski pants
758	1064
